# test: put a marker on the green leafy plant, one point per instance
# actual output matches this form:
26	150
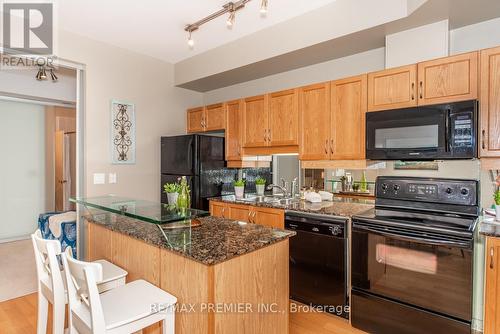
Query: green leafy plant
496	196
260	181
239	183
170	188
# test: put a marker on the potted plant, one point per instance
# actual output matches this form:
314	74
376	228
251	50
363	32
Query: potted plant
497	203
239	188
260	185
172	191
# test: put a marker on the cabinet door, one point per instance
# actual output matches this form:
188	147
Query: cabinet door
393	88
215	117
314	111
255	120
349	102
448	79
218	209
239	212
492	293
490	103
284	118
234	117
269	217
195	118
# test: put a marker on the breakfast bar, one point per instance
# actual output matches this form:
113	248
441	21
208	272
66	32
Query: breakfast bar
228	276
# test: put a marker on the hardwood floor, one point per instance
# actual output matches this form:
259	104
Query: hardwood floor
18	316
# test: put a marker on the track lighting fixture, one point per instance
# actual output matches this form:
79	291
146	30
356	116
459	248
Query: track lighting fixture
229	8
53	76
190	40
42	74
230	19
263	7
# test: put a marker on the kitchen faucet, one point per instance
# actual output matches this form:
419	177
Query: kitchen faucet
284	187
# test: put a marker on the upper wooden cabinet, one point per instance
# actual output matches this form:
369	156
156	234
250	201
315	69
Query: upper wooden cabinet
492	288
234	125
489	142
348	106
271	120
283	118
448	79
195	117
209	118
255	120
393	88
314	111
215	117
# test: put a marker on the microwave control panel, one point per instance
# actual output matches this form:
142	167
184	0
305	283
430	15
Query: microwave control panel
462	131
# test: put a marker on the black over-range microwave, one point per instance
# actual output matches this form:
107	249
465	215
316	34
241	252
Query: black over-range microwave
437	132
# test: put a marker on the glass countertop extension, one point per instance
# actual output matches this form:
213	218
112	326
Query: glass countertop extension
152	212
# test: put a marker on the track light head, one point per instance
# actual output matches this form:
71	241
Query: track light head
263	7
53	76
230	19
190	40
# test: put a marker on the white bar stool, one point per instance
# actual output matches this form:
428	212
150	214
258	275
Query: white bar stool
125	309
52	286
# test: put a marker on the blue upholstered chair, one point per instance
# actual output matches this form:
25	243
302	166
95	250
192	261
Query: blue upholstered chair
68	231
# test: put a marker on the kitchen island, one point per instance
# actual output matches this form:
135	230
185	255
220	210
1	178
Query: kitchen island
228	276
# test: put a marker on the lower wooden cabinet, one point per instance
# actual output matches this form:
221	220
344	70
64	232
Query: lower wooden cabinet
492	293
249	214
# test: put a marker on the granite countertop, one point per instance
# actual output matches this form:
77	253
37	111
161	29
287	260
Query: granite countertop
215	241
340	206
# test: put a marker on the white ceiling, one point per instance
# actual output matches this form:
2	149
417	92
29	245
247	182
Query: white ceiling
156	27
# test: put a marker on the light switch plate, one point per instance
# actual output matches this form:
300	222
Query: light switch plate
112	178
99	178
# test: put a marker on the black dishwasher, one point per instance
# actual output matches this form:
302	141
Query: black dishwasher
318	261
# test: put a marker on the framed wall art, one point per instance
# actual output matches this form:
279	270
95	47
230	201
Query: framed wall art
122	132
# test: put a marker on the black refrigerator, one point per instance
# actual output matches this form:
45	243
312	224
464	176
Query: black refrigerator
197	157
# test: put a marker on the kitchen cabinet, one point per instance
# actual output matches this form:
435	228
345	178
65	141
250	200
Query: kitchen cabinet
489	142
234	120
218	209
209	118
195	117
448	79
492	289
247	213
283	118
393	88
215	117
314	112
268	217
348	111
255	120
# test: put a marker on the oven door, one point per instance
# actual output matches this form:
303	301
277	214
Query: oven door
430	273
407	134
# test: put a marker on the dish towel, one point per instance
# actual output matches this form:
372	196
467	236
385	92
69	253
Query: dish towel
312	197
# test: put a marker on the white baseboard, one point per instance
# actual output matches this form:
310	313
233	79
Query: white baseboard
24	237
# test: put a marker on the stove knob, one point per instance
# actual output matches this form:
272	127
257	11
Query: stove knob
384	186
449	191
397	187
465	191
335	230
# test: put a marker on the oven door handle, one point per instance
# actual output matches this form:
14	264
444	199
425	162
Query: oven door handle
428	241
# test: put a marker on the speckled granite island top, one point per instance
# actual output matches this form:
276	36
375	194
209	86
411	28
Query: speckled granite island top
215	241
340	206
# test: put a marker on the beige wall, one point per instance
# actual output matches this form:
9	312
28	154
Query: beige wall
115	73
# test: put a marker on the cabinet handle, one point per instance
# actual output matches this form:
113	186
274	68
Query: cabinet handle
483	134
265	135
492	252
253	216
250	216
413	91
421	89
326	146
223	211
269	135
331	146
